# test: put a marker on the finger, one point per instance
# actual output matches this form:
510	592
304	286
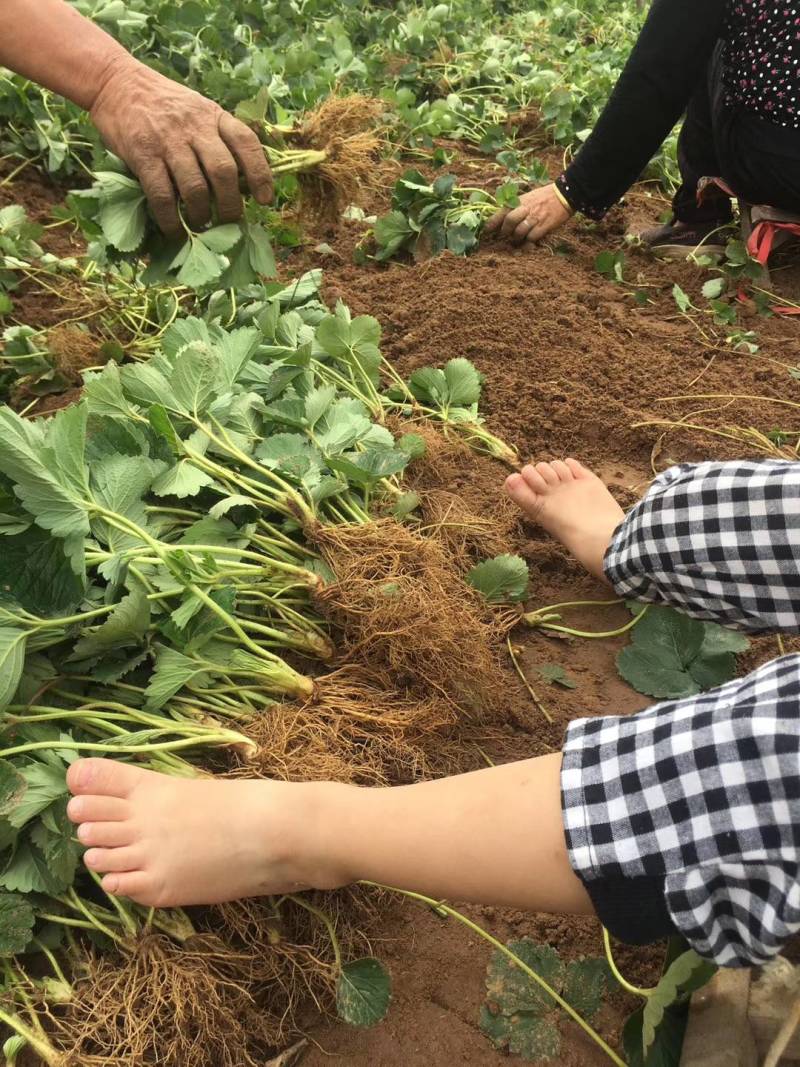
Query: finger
496	220
249	153
191	184
223	174
160	192
538	230
106	834
513	219
113	860
523	231
98	809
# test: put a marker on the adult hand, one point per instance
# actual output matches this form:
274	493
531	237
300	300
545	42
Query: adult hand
179	143
539	212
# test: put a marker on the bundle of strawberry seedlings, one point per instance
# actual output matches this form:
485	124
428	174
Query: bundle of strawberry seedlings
326	160
206	539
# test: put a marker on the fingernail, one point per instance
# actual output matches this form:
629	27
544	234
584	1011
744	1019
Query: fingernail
74	808
111	883
90	859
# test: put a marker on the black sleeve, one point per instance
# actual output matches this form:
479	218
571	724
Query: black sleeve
669	59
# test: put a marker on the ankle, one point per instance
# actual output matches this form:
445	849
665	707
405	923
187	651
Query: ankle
316	846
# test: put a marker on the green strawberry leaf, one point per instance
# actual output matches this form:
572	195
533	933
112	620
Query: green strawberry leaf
12	660
17	920
556	675
672	656
502	580
533	1037
363	992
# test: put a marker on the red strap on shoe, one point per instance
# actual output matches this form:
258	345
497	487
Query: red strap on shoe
760	245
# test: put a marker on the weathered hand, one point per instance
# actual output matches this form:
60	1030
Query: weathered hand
179	143
539	212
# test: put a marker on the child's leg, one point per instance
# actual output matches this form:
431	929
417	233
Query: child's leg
720	541
686	816
493	836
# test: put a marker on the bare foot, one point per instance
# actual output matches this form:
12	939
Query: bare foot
166	842
572	504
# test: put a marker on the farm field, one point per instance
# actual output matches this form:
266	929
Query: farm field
279	545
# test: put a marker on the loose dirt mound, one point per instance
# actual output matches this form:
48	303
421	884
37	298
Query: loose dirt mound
572	364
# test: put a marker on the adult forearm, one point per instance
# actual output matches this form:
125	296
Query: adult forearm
494	836
667	64
50	43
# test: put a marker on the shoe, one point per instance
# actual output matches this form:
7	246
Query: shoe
679	240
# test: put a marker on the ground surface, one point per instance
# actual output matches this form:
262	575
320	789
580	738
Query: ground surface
573	367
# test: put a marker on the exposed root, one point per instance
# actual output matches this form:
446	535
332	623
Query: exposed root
345	129
444	452
352	730
73	351
468	536
404	609
291	949
173	1005
463	503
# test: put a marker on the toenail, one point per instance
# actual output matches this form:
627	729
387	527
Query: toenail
83	775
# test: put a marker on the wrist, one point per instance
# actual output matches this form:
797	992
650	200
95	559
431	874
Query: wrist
562	199
120	74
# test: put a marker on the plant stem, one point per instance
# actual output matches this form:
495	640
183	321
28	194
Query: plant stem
634	990
526	683
328	922
40	1045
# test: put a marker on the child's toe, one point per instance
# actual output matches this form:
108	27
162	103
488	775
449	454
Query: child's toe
103	777
106	834
577	469
547	472
534	479
137	885
522	494
113	860
562	470
98	809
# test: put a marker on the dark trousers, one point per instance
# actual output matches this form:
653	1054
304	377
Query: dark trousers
758	160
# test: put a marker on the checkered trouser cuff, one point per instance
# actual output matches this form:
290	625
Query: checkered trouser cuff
703	793
720	541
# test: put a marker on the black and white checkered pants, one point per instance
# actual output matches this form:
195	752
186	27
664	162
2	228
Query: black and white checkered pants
687	816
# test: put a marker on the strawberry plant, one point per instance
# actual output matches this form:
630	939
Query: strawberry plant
520	1016
427	218
159	583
